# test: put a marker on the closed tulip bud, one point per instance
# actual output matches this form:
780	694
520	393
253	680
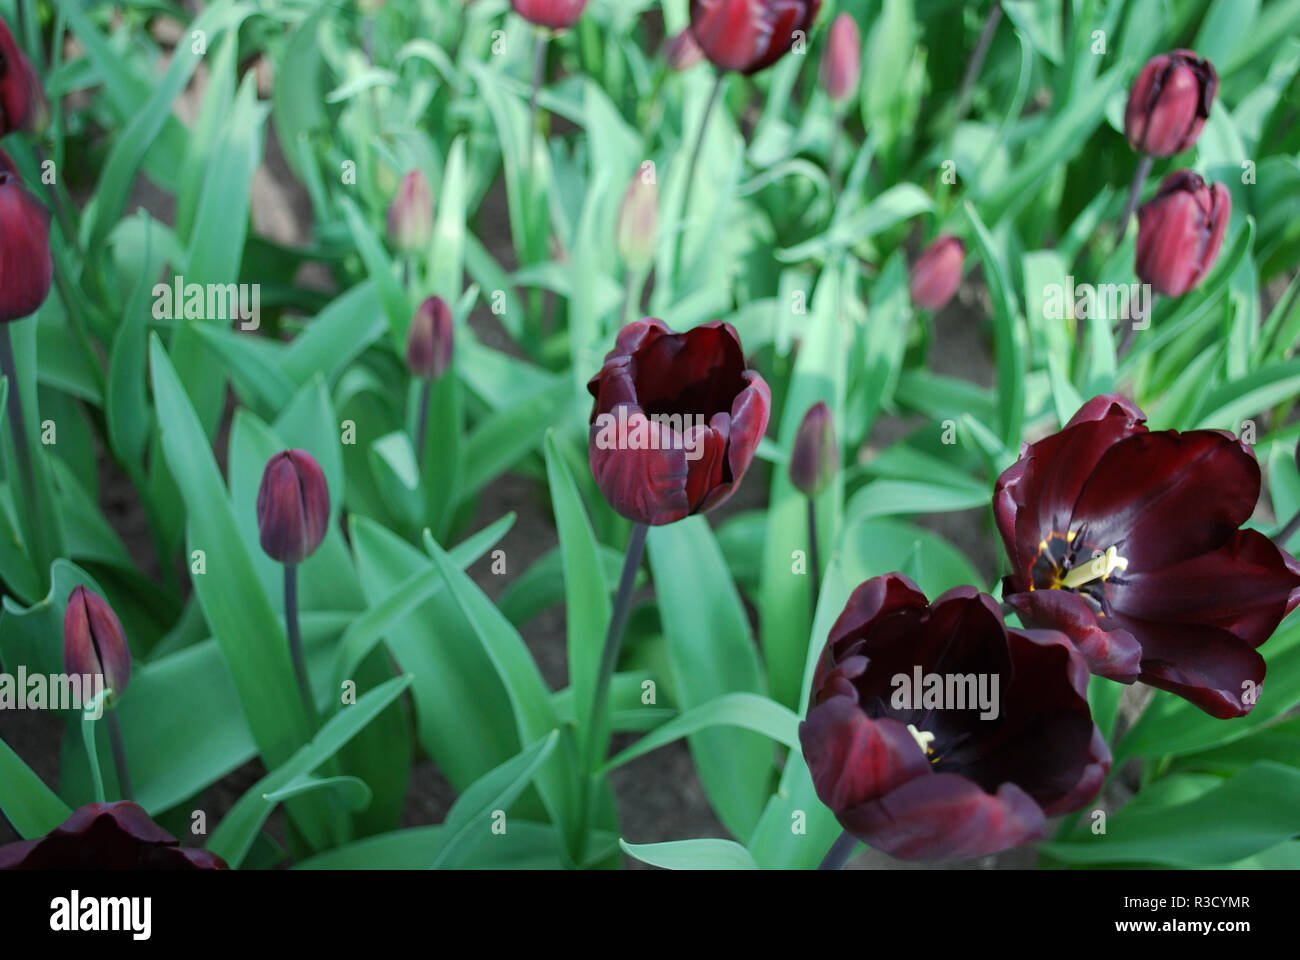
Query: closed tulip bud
293	506
431	339
638	219
750	35
937	274
410	218
842	59
816	455
1180	232
20	88
93	641
683	52
25	265
556	14
1169	103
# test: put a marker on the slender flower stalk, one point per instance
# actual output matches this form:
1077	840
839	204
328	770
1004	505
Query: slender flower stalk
976	65
541	46
837	857
119	756
814	555
1134	194
1284	535
695	162
22	448
294	630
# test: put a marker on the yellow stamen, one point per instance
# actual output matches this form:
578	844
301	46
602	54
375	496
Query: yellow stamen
1100	567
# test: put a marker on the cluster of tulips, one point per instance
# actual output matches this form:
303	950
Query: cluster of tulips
1128	555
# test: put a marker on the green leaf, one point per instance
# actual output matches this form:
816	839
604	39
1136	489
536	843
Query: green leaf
705	854
496	790
32	808
697	599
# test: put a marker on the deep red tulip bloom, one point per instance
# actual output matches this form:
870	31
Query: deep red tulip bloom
556	14
934	732
293	506
1169	103
936	275
1128	541
94	642
107	836
431	340
25	265
676	421
1180	232
749	35
21	96
815	459
842	59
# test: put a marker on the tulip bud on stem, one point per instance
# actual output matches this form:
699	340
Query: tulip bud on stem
1134	193
690	171
119	756
840	852
22	451
295	644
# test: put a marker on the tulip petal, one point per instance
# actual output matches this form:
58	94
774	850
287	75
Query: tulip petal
1111	651
644	485
854	759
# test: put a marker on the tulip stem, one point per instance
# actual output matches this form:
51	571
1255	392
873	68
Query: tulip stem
539	79
840	852
690	171
976	65
426	393
814	557
1134	192
1287	532
295	643
614	638
22	453
119	756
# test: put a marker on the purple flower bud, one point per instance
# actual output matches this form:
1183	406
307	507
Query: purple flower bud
842	59
21	95
293	506
25	265
410	218
683	52
94	642
556	14
937	274
1169	103
431	339
816	455
638	219
1180	232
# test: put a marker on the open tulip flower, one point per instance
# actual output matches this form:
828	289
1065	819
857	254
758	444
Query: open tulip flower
107	836
1128	540
913	771
677	420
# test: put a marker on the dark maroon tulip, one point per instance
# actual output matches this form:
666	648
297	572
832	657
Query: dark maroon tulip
431	339
749	35
953	779
556	14
1128	541
816	455
676	421
25	265
94	642
683	52
107	836
293	506
20	89
1180	232
1169	103
410	217
937	274
842	59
